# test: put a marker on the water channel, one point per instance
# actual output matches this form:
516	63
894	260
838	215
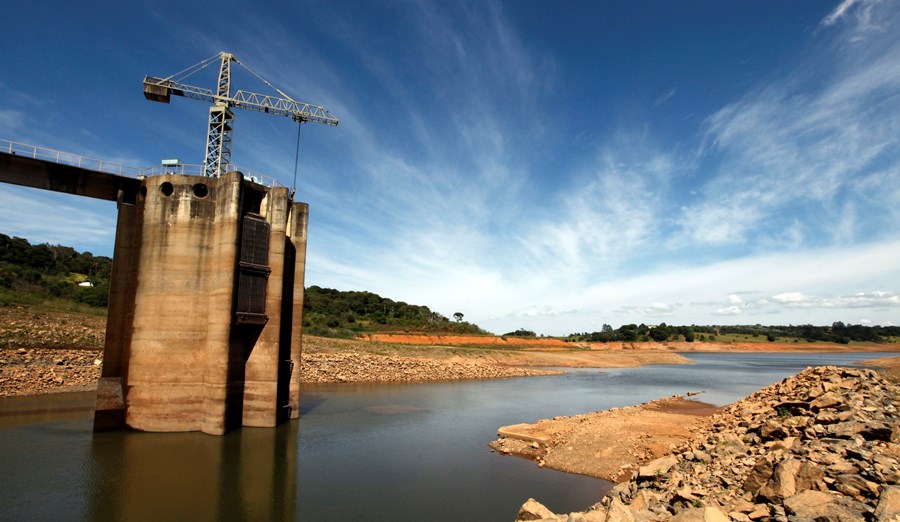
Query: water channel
362	452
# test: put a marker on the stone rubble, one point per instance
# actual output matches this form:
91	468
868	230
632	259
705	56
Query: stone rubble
32	371
353	366
819	446
23	328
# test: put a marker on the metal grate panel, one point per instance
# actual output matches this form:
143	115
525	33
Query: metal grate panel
251	296
253	271
255	241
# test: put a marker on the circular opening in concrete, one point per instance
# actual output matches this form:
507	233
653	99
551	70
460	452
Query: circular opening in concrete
200	190
166	188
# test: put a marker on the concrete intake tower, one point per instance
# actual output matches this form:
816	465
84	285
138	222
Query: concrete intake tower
205	306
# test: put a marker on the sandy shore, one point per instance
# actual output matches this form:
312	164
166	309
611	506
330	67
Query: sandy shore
608	444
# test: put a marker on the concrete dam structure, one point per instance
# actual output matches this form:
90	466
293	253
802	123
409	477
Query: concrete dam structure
205	309
206	295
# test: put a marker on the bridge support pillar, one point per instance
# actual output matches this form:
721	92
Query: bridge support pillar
206	303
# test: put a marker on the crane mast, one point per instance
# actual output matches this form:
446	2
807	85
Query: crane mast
221	118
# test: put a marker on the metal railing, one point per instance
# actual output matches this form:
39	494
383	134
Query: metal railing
66	158
109	167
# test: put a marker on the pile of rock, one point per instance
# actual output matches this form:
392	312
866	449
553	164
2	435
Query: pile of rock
352	366
25	328
822	446
37	370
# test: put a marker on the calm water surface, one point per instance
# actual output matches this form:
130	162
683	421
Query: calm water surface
362	452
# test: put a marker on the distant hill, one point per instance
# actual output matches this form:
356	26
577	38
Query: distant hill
53	275
335	313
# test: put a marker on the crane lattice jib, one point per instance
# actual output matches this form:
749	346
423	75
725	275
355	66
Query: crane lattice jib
218	140
297	111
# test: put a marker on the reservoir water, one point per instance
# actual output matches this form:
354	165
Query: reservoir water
362	452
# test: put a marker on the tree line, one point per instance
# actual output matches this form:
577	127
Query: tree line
838	332
53	270
330	312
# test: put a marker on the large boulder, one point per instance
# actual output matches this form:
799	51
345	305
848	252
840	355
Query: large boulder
702	514
657	468
534	510
888	509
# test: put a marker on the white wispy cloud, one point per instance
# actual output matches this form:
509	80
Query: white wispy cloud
728	310
11	121
665	97
876	299
804	154
57	219
839	12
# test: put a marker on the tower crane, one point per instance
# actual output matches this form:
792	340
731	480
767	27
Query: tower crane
218	139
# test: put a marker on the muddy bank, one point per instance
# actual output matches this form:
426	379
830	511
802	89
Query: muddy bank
821	445
610	444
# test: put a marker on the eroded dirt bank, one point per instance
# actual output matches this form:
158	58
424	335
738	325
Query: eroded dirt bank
609	444
818	446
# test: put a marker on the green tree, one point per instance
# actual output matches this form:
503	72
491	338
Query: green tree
660	333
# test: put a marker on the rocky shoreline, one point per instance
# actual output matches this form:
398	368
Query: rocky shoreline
346	367
33	371
819	446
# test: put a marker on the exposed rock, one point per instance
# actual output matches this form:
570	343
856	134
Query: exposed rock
888	509
809	504
357	366
657	467
819	446
618	512
709	514
783	483
534	510
42	370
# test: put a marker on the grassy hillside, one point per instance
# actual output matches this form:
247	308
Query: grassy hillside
52	276
333	313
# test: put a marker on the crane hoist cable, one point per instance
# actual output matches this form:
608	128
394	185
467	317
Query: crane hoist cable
296	163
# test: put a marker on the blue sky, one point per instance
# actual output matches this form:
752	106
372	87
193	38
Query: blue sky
539	165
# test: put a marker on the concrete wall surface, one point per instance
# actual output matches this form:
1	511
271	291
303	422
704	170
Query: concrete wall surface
183	352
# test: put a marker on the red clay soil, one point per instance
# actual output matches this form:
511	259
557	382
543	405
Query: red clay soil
547	343
467	340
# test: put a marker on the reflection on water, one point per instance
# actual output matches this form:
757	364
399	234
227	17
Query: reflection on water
247	475
60	469
364	452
